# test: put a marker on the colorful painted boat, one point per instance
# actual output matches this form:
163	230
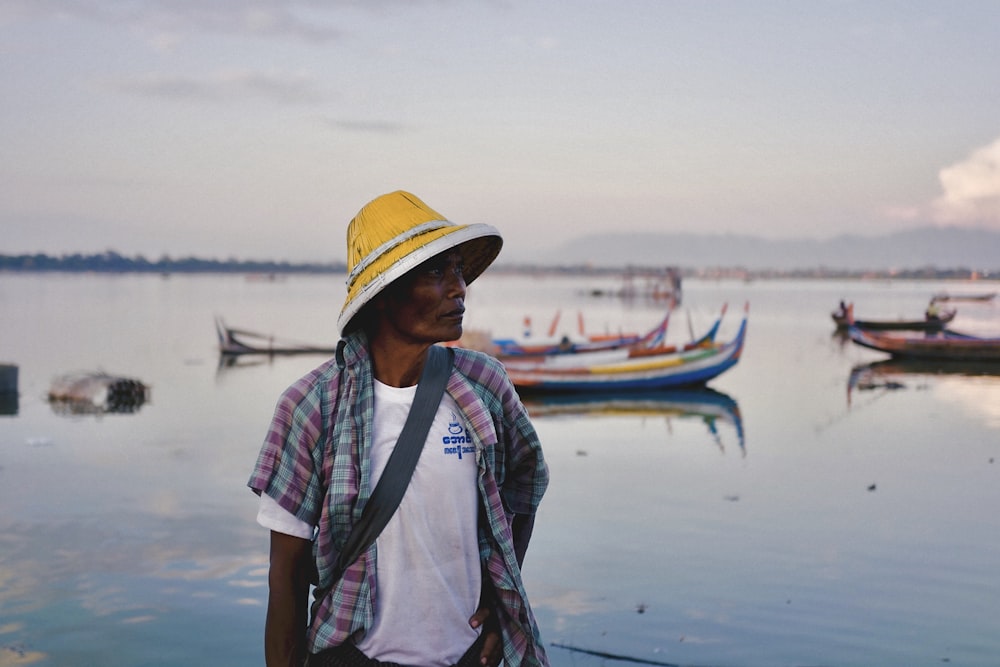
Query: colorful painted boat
628	368
945	345
509	348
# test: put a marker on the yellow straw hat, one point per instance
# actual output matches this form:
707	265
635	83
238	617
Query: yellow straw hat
397	232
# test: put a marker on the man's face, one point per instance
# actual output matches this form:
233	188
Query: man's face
427	305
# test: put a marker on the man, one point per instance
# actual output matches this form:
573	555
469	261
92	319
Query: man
441	585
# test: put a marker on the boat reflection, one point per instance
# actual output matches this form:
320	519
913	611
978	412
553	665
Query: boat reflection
890	374
227	361
75	408
711	406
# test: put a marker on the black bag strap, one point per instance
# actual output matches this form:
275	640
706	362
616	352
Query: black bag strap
399	468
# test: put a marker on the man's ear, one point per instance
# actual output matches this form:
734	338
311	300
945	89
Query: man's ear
382	304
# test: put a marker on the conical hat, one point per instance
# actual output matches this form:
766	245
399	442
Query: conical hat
397	232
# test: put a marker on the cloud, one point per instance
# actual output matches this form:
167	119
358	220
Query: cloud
241	18
902	213
163	18
224	86
971	190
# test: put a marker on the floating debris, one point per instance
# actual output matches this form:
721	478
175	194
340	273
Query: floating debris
96	393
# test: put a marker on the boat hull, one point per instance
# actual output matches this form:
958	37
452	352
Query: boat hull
238	342
935	324
947	345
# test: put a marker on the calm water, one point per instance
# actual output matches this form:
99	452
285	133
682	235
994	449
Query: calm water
822	528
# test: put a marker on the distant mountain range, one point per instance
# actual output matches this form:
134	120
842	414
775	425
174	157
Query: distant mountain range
927	247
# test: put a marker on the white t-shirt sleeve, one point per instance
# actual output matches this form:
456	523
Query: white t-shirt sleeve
273	516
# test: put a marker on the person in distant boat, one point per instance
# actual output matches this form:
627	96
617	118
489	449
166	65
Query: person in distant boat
845	311
441	584
933	311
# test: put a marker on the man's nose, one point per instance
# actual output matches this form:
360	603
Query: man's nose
456	285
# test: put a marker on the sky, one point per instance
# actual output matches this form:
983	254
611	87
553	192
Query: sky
256	129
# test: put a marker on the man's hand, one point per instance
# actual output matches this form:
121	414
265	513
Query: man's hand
287	601
492	650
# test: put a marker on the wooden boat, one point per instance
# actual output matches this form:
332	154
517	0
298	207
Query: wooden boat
934	320
944	345
710	406
507	348
926	324
235	342
628	368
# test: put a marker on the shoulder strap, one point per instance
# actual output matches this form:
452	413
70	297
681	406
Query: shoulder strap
398	470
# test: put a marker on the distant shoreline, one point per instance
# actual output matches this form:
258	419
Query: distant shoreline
114	263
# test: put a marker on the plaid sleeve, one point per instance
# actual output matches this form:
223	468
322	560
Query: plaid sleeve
289	465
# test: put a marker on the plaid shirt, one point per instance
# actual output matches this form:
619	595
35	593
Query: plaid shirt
316	463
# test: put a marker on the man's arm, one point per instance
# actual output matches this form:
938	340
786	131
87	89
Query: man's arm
287	602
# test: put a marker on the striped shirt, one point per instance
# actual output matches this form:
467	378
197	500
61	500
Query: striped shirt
315	463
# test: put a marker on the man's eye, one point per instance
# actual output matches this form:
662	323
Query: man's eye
438	270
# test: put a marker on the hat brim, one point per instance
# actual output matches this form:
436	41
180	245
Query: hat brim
479	244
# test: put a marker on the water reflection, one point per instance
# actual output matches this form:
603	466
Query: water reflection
96	394
9	403
893	374
711	406
232	361
106	578
74	408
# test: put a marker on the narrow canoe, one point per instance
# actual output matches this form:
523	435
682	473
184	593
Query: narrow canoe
236	342
926	324
945	345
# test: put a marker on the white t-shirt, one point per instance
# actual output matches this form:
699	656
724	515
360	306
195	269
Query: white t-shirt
428	575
